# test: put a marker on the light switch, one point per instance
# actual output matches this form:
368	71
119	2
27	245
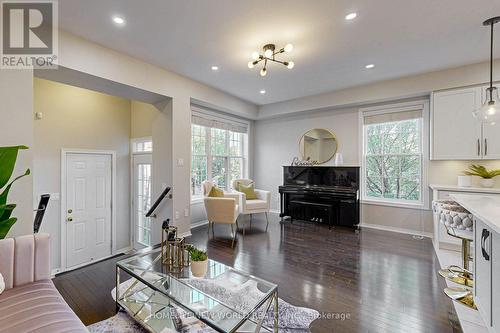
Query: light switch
180	162
186	212
177	215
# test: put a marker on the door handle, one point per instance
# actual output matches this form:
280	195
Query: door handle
484	237
485	147
478	147
69	219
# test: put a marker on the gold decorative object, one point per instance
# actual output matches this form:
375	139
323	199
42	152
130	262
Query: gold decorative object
173	250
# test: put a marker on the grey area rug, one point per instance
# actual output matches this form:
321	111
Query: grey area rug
292	319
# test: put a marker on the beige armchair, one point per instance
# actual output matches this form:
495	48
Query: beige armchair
260	205
223	210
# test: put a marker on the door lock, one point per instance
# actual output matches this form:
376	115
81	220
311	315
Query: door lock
69	219
70	211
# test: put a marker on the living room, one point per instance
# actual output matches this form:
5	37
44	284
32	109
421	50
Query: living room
241	166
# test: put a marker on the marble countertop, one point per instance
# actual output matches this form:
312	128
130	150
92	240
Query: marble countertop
442	187
484	207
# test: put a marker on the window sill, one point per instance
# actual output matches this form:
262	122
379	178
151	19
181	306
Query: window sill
407	205
196	200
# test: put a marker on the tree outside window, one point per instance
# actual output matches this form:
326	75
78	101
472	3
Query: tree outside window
393	160
218	155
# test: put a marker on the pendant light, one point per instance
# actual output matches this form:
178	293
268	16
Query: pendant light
489	112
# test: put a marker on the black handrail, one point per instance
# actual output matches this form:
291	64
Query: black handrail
158	201
42	206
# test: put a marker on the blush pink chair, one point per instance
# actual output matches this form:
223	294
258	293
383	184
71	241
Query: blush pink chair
31	302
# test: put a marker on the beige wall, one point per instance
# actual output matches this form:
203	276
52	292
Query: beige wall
81	119
16	128
87	57
291	118
277	142
142	117
389	90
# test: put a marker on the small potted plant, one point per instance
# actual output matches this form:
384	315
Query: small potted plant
199	261
486	175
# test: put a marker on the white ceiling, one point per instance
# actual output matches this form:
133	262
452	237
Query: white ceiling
401	37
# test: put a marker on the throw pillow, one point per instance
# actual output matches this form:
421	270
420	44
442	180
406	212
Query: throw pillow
216	192
248	190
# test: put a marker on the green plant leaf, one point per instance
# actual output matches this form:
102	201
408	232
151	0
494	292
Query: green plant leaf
196	254
481	171
5	226
8	156
5	193
6	211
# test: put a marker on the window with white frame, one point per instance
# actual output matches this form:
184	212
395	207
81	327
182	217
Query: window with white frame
142	145
394	155
219	153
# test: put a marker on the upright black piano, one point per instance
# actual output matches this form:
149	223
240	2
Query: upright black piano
324	194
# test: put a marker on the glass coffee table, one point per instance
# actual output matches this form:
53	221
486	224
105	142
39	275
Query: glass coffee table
154	296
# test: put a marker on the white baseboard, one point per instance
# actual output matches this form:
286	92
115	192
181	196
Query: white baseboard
198	224
185	234
398	230
124	250
119	251
55	271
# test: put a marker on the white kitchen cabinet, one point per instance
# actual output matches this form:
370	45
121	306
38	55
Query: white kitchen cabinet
491	134
455	133
491	141
495	287
482	270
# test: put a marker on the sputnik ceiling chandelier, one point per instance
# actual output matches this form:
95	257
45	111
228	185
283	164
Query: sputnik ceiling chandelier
269	55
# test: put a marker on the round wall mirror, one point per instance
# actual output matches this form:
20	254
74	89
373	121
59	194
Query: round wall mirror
318	145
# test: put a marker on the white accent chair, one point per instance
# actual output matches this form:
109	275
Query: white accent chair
223	210
249	207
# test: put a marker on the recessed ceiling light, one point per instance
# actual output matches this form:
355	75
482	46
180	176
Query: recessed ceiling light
119	20
351	16
215	68
369	66
262	91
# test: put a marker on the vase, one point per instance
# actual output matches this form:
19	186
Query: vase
487	182
199	268
464	181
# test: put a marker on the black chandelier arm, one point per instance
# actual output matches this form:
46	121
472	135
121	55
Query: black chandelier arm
258	60
491	63
280	62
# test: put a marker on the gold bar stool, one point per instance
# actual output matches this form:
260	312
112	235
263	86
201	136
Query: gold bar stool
459	224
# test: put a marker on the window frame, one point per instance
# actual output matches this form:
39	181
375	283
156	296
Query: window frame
135	141
210	156
422	105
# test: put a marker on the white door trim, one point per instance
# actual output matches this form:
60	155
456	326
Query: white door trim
133	193
64	153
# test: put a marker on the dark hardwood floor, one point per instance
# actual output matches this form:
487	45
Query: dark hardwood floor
374	281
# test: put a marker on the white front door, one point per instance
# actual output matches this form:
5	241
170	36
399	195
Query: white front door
141	202
88	208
